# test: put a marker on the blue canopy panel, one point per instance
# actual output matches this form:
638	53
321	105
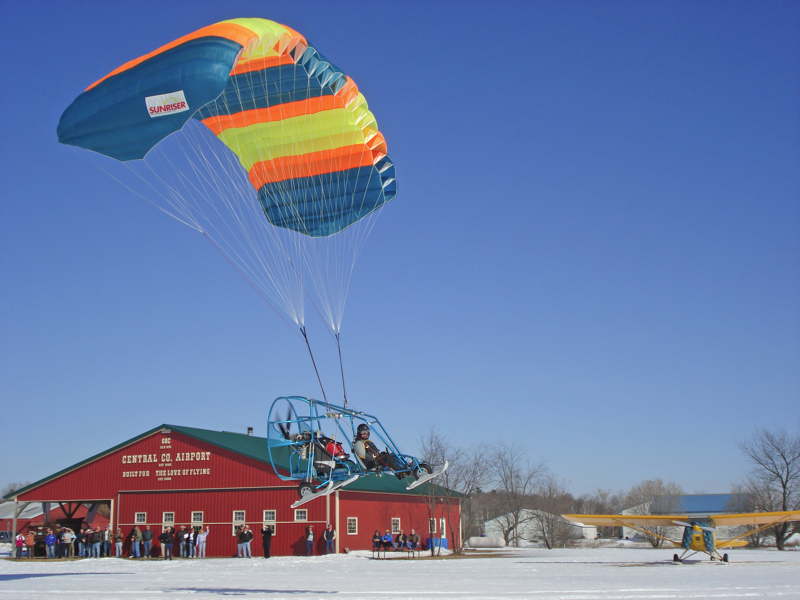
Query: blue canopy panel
127	114
348	196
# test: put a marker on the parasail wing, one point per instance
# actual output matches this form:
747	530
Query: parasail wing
298	125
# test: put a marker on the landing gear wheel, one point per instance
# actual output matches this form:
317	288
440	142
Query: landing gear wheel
305	489
422	469
712	557
725	557
675	558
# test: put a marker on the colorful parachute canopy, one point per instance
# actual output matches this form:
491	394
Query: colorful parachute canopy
298	125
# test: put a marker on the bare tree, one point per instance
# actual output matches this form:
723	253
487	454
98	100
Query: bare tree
515	480
774	483
654	496
550	502
466	474
601	502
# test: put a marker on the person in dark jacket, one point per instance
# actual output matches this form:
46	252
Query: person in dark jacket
377	541
266	539
329	535
165	539
177	538
413	540
147	541
401	541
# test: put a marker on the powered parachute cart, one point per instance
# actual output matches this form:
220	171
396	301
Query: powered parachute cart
313	442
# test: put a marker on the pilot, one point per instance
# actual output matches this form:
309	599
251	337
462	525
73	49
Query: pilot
368	452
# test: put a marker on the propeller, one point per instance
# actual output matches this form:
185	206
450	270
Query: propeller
685	524
285	428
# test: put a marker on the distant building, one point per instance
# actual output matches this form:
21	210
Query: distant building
529	531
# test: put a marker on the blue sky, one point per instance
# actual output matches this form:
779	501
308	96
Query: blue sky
594	252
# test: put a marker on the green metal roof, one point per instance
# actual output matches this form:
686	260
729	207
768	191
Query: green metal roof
256	448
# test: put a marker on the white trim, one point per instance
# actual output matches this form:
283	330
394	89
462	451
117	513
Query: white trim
143	520
300	510
164	518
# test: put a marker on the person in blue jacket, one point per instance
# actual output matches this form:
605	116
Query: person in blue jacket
50	544
387	541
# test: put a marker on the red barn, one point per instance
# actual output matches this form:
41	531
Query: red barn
174	475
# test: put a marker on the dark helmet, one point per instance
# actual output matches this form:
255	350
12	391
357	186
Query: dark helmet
363	428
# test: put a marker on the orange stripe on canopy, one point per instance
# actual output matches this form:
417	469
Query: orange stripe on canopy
264	62
237	33
278	112
308	165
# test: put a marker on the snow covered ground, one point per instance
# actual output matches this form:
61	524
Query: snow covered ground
583	574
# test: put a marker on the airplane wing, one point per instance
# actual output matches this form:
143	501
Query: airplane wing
626	520
757	518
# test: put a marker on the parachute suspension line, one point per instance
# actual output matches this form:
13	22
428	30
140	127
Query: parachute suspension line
313	362
341	366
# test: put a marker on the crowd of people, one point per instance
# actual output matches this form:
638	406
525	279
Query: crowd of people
63	542
183	542
400	541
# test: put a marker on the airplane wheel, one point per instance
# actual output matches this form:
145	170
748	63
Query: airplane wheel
725	557
712	557
675	558
305	489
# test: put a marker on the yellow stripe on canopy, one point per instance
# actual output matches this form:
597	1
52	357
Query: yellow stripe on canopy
294	136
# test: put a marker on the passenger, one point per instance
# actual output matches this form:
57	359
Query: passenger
178	542
166	539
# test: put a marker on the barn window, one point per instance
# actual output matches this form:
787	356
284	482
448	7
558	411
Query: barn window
300	514
443	526
237	521
140	518
352	525
197	518
395	524
167	519
270	516
431	525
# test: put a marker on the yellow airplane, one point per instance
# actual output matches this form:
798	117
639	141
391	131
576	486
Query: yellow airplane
698	533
